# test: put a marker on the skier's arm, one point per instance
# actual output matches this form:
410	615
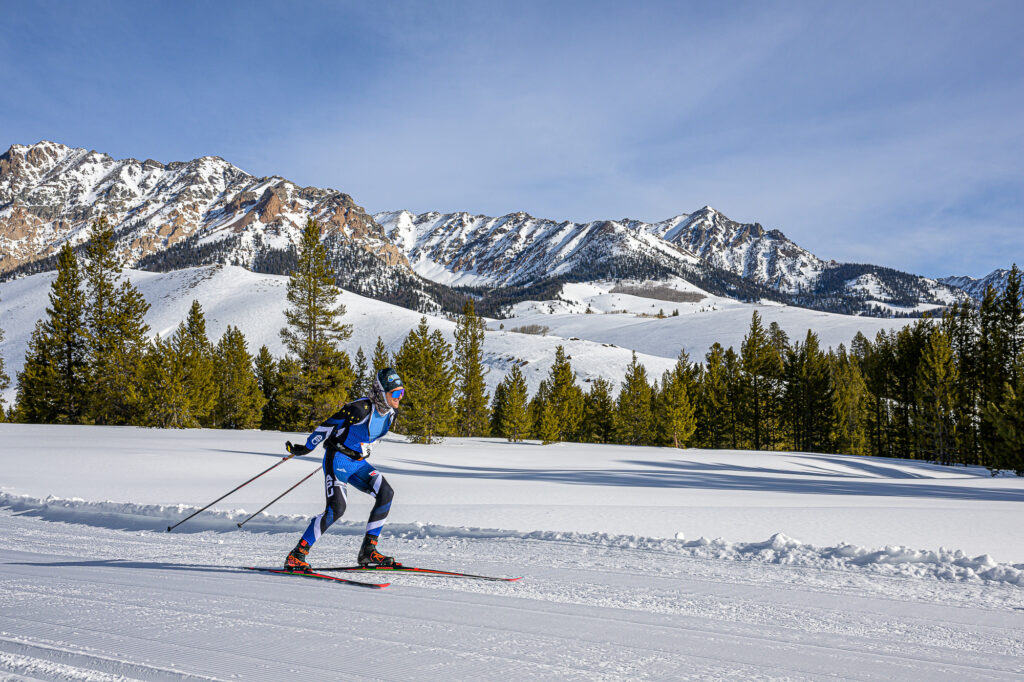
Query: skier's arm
343	418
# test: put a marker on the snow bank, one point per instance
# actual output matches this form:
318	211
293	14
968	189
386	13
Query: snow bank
941	564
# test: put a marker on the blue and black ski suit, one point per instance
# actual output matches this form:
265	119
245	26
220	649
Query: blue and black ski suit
347	438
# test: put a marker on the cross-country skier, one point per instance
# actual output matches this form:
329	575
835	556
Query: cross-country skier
347	438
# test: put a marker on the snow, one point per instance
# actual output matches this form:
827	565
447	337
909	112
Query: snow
637	563
627	320
599	344
255	303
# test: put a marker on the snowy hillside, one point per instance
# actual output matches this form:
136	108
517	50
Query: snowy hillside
255	304
599	344
636	563
631	320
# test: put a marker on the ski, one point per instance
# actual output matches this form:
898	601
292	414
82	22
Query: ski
319	576
422	571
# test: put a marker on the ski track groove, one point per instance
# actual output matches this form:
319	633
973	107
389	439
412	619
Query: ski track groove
609	594
661	652
563	670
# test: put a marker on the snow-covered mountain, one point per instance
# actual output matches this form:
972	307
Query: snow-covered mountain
708	249
764	256
207	211
518	249
976	287
168	216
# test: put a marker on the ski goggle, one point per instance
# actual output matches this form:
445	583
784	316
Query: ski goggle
398	393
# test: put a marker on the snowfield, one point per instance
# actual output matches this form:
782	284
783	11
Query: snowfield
598	344
637	563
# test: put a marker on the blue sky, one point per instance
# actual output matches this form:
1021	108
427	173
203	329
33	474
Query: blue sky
888	133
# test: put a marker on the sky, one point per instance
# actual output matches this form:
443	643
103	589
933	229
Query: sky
888	133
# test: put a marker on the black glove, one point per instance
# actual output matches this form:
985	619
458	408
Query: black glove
299	450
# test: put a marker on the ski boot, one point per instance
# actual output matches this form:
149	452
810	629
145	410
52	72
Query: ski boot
369	556
296	560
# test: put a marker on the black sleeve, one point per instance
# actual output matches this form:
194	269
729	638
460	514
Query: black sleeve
337	426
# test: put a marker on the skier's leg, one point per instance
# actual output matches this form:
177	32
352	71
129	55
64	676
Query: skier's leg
337	498
369	480
336	494
383	495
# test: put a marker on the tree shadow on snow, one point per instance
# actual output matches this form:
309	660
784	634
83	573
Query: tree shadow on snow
693	475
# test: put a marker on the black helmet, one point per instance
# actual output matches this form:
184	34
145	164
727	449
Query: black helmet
388	380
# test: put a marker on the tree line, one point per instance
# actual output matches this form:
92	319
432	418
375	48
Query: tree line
948	390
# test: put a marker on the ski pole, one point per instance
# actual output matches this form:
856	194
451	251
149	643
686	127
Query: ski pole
283	460
281	495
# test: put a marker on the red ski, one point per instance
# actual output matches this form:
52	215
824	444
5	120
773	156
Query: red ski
413	569
319	576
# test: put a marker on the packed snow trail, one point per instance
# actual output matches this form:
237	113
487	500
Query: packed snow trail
93	588
155	606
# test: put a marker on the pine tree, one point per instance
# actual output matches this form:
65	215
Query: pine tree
165	396
1007	417
712	404
239	398
565	398
195	352
849	405
361	385
808	399
779	342
269	383
515	415
53	385
536	408
936	398
677	398
877	362
910	344
736	392
498	401
961	325
991	370
318	384
117	333
471	411
599	412
424	363
548	428
381	358
762	369
1011	321
633	410
284	411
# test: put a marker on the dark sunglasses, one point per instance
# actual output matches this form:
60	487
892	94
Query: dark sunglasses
398	393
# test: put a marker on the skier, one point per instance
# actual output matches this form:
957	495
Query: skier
347	438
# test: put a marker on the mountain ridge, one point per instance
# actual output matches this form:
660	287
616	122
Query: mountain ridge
209	211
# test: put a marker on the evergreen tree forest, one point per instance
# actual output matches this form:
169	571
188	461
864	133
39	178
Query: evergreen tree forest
947	390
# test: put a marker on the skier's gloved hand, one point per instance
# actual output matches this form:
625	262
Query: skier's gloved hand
295	449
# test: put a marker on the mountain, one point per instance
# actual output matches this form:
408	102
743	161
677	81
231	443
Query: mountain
168	216
719	255
976	288
208	211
